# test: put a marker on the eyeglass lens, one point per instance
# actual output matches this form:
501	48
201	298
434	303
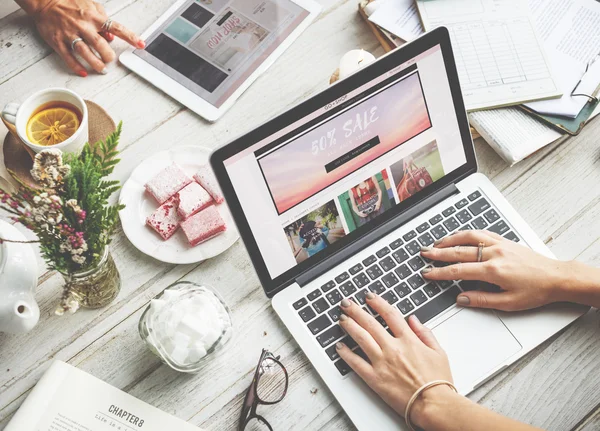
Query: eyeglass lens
272	379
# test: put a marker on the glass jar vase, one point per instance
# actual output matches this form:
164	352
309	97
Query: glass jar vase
185	324
95	287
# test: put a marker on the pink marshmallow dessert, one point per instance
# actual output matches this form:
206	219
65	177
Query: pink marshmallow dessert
167	182
203	226
165	220
206	178
192	198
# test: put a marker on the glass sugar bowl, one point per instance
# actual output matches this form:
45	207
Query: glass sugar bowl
185	324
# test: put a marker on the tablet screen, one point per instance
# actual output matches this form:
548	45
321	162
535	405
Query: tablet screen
212	47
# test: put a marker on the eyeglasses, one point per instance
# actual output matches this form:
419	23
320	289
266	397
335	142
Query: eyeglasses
269	386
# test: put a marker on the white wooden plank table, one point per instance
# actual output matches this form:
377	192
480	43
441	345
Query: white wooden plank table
557	191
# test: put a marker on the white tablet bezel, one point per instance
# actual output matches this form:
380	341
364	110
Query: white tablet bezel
190	99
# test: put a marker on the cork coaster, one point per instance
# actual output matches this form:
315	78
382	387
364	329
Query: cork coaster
18	159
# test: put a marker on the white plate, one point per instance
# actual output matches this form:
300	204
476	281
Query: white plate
139	205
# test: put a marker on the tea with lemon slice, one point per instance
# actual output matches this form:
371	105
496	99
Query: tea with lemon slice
53	123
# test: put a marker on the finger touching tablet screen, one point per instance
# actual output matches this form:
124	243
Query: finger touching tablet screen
205	53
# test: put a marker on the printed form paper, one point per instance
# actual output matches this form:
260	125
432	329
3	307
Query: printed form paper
499	57
571	33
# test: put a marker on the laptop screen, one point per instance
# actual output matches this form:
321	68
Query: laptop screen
331	175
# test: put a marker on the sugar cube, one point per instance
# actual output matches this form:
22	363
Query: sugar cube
210	337
170	295
167	182
166	344
192	198
192	326
181	339
196	352
179	354
165	220
203	226
206	178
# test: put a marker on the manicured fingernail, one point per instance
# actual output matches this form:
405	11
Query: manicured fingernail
345	303
141	44
426	270
343	317
437	242
414	317
463	300
110	36
370	295
104	71
425	249
82	73
339	346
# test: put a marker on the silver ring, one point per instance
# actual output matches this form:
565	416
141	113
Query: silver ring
74	42
480	252
106	26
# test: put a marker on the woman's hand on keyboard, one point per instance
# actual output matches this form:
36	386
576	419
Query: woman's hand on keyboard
397	365
527	279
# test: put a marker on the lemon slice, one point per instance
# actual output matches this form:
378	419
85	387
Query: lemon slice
52	126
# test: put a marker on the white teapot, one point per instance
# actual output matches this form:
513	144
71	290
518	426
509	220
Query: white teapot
19	312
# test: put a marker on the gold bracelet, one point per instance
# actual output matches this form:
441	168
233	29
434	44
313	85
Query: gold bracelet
416	395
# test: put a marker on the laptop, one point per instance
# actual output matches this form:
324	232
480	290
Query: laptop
335	197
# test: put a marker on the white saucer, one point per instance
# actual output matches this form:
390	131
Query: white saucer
139	205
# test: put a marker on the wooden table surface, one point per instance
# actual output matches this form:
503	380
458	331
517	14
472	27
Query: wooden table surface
557	191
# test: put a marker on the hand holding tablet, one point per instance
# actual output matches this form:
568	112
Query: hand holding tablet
206	53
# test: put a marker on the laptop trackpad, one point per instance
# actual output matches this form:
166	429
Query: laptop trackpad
476	342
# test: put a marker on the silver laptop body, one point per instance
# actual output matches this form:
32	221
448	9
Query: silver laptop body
335	197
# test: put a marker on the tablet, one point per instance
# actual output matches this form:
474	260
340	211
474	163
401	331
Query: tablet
206	53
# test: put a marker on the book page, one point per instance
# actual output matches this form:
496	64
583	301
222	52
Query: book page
68	399
499	57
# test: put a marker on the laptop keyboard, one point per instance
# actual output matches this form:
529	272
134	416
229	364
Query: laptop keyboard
394	273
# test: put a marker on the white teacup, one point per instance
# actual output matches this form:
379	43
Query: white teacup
17	116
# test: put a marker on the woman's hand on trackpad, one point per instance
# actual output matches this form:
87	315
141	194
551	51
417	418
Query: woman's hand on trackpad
527	279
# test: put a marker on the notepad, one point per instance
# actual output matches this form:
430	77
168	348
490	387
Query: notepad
499	57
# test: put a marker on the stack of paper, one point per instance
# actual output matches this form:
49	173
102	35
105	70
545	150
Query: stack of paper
570	31
512	133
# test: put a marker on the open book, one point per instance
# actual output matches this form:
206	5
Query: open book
68	399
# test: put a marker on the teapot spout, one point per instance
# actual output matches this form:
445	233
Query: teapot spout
19	316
